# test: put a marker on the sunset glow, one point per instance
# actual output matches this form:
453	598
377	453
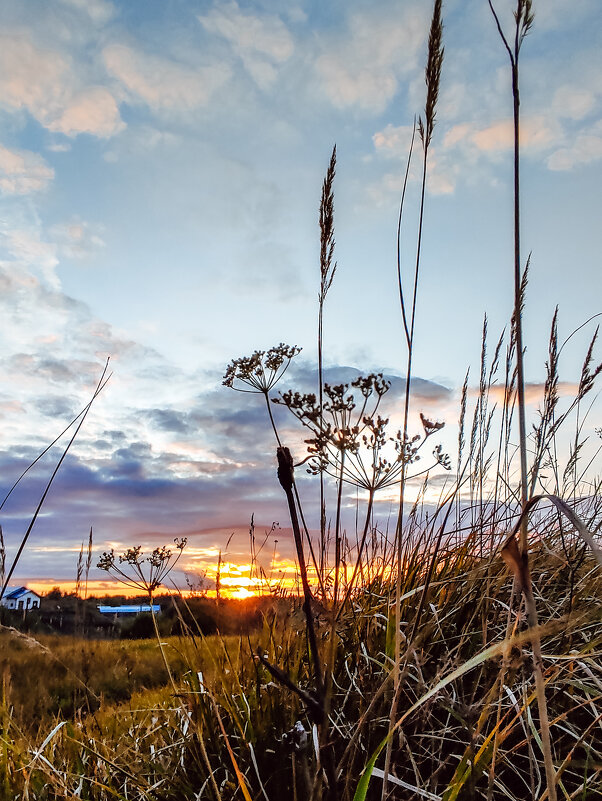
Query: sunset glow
235	581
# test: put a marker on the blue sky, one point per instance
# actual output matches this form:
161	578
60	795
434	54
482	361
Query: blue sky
160	172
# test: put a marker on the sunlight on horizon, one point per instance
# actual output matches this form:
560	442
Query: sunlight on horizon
236	581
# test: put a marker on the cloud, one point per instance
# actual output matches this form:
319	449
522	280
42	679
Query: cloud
393	140
44	324
31	78
361	66
536	133
59	147
44	83
28	248
260	41
51	369
559	120
22	172
170	420
55	406
441	180
573	102
161	83
584	149
99	11
534	392
77	239
93	111
562	14
541	136
210	456
468	151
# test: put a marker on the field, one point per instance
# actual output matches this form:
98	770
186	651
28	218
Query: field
100	719
453	653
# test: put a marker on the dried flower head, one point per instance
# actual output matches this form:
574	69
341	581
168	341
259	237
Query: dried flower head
260	371
430	426
432	75
350	440
145	574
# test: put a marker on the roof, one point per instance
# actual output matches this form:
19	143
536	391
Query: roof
18	592
125	609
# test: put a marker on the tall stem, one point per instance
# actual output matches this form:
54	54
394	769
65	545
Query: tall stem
286	479
160	644
425	129
337	533
327	272
520	368
360	552
305	529
271	416
524	18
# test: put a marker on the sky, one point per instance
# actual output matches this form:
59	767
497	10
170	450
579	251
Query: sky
160	174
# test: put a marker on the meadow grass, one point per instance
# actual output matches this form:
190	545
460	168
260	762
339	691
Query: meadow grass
474	737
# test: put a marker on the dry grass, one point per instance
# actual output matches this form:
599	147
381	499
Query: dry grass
475	737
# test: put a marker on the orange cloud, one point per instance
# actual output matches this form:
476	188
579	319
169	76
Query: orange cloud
533	392
92	111
535	133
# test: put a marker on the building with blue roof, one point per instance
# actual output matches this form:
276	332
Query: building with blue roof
21	599
128	609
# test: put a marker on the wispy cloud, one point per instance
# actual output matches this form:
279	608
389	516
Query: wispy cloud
534	392
563	14
77	239
27	247
162	83
361	64
22	172
99	11
467	147
43	82
584	149
261	41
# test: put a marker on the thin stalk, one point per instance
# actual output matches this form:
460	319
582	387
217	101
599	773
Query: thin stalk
99	387
523	20
425	129
399	221
286	479
337	533
359	553
271	416
296	492
160	644
327	271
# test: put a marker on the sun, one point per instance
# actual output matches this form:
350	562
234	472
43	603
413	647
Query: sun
242	593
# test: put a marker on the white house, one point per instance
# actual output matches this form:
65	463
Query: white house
21	599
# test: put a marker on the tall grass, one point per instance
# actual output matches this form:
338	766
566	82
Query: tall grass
473	736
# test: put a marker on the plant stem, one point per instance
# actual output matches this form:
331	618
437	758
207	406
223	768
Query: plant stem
286	478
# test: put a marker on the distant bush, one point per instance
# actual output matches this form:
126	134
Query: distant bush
139	627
